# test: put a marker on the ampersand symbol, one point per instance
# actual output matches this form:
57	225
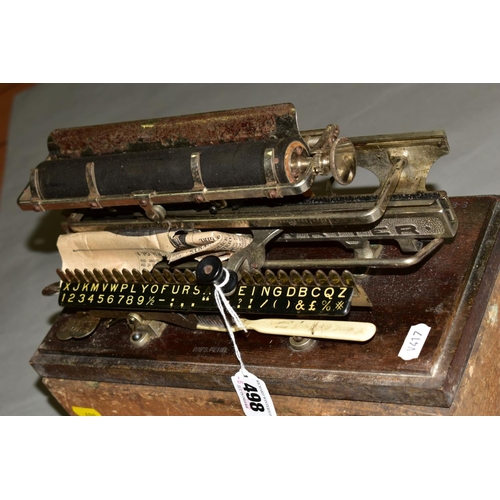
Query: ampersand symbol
300	305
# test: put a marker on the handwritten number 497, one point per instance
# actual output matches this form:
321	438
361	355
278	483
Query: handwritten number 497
253	396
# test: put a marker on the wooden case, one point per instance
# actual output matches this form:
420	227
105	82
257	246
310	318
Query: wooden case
456	292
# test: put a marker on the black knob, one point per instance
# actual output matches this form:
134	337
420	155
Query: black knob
210	271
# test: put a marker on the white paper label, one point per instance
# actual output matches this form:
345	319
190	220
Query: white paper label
254	396
414	342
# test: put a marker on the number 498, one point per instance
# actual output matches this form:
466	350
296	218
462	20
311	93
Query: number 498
253	396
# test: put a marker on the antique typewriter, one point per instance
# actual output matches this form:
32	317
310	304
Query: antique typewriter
158	211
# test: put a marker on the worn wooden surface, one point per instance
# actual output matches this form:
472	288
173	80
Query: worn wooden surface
449	292
478	393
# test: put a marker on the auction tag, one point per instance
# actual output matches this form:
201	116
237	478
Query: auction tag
414	341
254	396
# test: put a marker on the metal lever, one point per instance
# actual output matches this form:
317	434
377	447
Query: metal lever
255	253
143	330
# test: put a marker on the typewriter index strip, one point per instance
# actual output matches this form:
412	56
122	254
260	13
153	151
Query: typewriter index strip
281	300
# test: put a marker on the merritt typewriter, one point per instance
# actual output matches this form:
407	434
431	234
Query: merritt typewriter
158	211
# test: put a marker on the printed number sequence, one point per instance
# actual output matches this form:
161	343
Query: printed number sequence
332	301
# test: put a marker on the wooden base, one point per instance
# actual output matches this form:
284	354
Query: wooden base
456	292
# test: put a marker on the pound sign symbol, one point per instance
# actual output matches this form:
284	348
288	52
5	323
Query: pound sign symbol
312	307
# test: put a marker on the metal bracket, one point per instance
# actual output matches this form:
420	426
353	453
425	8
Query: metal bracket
254	255
94	195
143	330
274	190
156	213
359	262
34	192
199	189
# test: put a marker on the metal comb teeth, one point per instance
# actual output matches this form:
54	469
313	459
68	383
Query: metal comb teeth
186	276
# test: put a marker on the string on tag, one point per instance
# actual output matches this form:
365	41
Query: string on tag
224	305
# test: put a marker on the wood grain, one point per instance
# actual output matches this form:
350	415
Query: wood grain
478	394
449	292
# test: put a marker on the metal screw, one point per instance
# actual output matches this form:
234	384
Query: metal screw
136	337
143	203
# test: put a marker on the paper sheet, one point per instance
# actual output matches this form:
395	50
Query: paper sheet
106	250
